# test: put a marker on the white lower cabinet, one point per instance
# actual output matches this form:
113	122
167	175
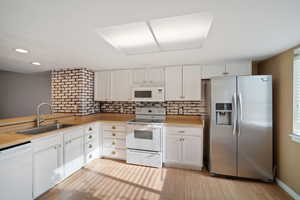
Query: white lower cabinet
73	150
173	148
47	163
114	140
184	147
91	142
192	150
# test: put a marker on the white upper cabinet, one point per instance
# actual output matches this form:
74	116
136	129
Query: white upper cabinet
227	69
102	86
139	76
173	86
183	83
148	76
155	76
191	84
209	71
121	85
239	68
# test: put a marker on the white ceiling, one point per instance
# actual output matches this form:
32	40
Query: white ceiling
63	33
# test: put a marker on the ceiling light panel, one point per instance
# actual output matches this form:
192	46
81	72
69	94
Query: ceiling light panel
134	38
182	32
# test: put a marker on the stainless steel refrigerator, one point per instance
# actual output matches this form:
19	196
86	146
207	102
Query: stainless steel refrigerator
241	135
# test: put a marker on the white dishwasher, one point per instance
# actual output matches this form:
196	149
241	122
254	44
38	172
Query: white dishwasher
16	172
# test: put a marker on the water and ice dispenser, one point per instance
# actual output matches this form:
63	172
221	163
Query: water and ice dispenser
223	113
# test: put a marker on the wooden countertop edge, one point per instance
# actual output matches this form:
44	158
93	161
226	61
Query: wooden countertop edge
32	118
196	122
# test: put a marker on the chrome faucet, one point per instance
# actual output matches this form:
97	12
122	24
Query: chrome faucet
38	119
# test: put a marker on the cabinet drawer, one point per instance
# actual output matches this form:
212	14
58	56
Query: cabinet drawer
91	146
114	127
91	156
144	158
184	131
73	133
114	143
46	142
114	134
91	136
91	128
114	153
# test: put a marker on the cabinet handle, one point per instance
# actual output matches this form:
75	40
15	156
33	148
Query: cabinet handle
55	147
113	134
90	129
90	145
113	152
113	143
113	127
181	131
90	156
225	73
182	97
90	137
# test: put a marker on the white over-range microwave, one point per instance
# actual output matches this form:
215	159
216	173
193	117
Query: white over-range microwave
148	94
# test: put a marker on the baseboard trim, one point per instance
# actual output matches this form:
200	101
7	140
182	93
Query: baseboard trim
183	166
289	190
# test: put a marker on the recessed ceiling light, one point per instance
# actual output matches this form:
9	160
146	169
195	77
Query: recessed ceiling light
36	63
21	50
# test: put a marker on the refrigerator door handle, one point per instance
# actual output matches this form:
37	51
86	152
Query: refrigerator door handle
240	112
234	113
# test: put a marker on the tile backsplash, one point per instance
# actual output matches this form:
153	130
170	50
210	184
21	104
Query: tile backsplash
72	91
172	107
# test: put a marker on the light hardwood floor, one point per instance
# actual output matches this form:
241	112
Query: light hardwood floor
115	180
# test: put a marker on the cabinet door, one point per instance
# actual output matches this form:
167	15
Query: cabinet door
47	169
192	150
102	86
173	83
120	85
73	155
209	71
173	149
139	76
155	76
191	83
239	68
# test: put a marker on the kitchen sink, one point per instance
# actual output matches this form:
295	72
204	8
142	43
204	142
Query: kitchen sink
43	129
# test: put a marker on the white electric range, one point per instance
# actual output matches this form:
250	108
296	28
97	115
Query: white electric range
144	137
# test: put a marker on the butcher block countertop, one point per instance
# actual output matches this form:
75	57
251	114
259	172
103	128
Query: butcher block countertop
8	127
